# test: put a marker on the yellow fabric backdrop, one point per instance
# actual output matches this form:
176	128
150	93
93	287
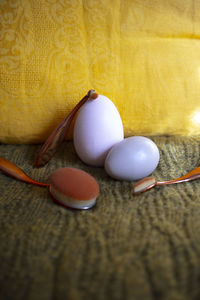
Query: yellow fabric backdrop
142	54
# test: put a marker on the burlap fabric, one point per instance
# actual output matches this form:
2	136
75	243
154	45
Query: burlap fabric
126	247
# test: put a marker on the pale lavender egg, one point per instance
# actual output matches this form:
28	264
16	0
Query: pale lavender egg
98	127
132	159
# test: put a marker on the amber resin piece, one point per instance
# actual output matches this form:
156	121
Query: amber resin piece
144	184
74	188
148	183
69	187
11	169
58	135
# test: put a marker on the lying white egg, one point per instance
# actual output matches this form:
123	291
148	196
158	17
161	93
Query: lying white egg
133	158
97	128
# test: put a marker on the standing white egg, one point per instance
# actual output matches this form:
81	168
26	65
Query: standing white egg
133	158
97	128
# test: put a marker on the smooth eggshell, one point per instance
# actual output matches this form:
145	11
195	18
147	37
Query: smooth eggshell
133	158
97	128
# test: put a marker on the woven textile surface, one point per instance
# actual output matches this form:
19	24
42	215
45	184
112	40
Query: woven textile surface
126	247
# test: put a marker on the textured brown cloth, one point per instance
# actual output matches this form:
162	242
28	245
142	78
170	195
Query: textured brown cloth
127	247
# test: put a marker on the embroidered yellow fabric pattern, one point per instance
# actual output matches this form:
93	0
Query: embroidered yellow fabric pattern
143	55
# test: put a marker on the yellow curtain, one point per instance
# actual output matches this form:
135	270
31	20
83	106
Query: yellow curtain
143	55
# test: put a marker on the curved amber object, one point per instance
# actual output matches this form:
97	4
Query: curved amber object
63	185
150	182
58	135
11	169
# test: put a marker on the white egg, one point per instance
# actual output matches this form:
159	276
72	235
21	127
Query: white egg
133	158
97	128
